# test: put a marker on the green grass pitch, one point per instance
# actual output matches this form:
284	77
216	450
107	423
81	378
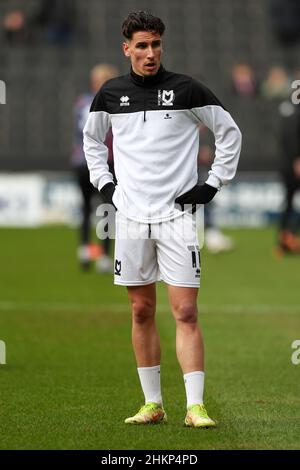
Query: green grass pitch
70	378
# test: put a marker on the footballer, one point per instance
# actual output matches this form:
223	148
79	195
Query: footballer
154	115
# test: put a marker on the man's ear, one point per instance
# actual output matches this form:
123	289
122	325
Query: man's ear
126	51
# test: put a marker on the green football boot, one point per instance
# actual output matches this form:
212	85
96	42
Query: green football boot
151	413
197	417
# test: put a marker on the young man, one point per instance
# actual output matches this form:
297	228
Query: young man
155	116
289	224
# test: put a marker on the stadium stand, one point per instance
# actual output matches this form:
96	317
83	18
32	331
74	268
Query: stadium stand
203	38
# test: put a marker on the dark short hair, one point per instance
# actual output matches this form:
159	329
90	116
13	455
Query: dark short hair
142	21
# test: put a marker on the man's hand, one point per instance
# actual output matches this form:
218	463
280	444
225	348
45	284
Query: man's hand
107	192
197	195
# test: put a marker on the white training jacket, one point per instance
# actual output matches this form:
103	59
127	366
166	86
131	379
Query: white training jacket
155	125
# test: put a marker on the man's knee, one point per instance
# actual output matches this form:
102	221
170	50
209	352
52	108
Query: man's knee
185	313
142	310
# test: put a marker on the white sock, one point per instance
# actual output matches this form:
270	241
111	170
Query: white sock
150	382
194	386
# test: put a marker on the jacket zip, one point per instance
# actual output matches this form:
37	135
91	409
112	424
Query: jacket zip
144	100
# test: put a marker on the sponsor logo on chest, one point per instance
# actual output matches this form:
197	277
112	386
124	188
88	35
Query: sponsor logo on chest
165	97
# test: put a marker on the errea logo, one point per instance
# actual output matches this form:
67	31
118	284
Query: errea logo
124	101
166	97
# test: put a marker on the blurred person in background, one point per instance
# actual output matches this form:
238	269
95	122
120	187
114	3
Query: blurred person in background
214	240
288	239
15	28
285	22
277	85
56	19
88	251
243	79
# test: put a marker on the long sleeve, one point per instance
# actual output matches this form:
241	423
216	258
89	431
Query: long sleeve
96	152
208	109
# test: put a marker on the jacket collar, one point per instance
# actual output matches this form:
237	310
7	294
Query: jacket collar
146	81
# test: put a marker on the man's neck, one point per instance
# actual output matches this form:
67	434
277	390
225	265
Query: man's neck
146	79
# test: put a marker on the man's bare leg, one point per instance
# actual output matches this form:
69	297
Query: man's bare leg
190	353
189	341
146	345
145	339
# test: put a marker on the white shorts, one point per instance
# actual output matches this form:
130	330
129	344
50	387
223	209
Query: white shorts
146	253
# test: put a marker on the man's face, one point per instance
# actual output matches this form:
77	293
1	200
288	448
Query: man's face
144	50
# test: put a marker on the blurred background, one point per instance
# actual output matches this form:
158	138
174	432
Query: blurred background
69	331
246	52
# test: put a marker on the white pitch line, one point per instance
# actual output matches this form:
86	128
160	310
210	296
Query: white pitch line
122	307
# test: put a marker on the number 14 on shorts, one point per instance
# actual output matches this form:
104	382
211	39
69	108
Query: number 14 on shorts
195	258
